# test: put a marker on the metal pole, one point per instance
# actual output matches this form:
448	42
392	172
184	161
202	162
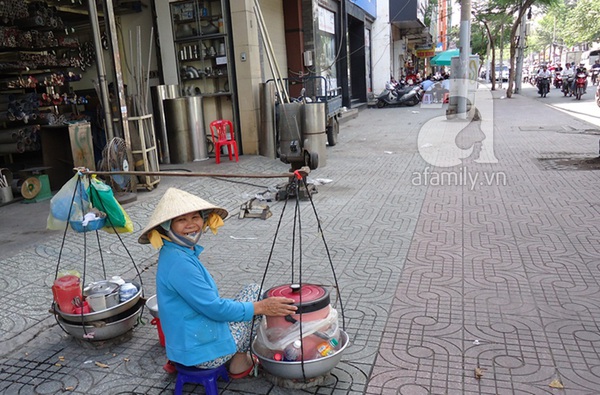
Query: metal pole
109	16
275	79
103	85
270	47
465	51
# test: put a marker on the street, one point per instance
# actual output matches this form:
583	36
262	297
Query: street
584	109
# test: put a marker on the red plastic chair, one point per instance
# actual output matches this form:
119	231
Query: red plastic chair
218	130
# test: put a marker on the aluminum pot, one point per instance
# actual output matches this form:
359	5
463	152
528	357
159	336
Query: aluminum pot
107	329
104	314
313	368
313	303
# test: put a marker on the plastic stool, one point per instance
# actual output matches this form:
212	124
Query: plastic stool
161	335
206	377
427	98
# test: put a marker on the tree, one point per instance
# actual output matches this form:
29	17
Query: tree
516	8
583	22
551	29
492	22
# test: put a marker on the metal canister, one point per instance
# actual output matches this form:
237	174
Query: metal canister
127	291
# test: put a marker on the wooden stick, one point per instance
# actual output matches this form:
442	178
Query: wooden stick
304	171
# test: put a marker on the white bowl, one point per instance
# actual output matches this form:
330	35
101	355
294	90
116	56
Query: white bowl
152	305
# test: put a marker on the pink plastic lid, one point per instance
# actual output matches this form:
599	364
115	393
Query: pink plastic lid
67	281
314	297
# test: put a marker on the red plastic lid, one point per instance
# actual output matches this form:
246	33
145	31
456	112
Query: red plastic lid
314	297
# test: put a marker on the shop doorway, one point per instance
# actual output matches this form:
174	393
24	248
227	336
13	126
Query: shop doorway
358	64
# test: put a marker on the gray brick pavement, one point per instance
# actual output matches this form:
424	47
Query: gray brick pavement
425	270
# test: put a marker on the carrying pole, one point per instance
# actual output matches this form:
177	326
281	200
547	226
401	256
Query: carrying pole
303	172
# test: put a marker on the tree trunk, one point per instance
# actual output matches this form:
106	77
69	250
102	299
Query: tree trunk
513	45
492	72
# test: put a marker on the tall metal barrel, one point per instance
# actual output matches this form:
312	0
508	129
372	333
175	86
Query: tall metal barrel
314	128
289	124
185	129
159	94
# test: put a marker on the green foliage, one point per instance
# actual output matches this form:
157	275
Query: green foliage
583	22
430	7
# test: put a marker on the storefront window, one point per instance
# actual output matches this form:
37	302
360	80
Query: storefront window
327	50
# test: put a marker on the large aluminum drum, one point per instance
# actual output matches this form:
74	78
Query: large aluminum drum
185	129
289	126
159	94
314	128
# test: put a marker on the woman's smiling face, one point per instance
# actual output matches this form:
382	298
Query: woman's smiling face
188	224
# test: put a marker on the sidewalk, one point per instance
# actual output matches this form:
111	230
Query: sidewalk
437	280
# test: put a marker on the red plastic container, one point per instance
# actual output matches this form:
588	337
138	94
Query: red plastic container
312	301
65	289
161	335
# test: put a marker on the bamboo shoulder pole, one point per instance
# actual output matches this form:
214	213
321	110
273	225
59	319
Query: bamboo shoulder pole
302	172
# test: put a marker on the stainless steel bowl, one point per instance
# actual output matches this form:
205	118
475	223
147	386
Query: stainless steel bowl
103	314
104	330
152	305
312	368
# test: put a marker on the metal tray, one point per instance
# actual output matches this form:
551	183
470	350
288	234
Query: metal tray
104	314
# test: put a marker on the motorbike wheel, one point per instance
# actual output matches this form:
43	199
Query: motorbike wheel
578	93
332	131
381	103
413	102
311	159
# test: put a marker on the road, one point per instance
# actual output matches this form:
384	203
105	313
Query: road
584	109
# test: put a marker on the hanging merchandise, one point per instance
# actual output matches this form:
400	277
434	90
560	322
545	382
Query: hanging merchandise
103	198
309	343
71	202
98	310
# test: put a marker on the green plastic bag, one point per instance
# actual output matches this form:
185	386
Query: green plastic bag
103	198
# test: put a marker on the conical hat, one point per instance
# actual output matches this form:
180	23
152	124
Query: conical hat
174	203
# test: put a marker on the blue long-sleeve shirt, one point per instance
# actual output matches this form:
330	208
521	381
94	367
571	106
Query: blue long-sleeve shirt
193	317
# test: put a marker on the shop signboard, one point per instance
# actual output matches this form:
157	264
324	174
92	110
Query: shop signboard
425	52
369	6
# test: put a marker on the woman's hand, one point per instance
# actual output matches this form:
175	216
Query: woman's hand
275	306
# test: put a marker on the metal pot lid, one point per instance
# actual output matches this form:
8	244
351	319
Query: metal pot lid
104	287
314	297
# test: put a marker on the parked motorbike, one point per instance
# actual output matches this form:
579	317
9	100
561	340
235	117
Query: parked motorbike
580	85
543	86
557	80
566	85
399	95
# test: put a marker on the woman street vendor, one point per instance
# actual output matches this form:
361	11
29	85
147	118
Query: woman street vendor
201	328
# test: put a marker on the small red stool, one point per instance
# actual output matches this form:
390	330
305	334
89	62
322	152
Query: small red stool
207	377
